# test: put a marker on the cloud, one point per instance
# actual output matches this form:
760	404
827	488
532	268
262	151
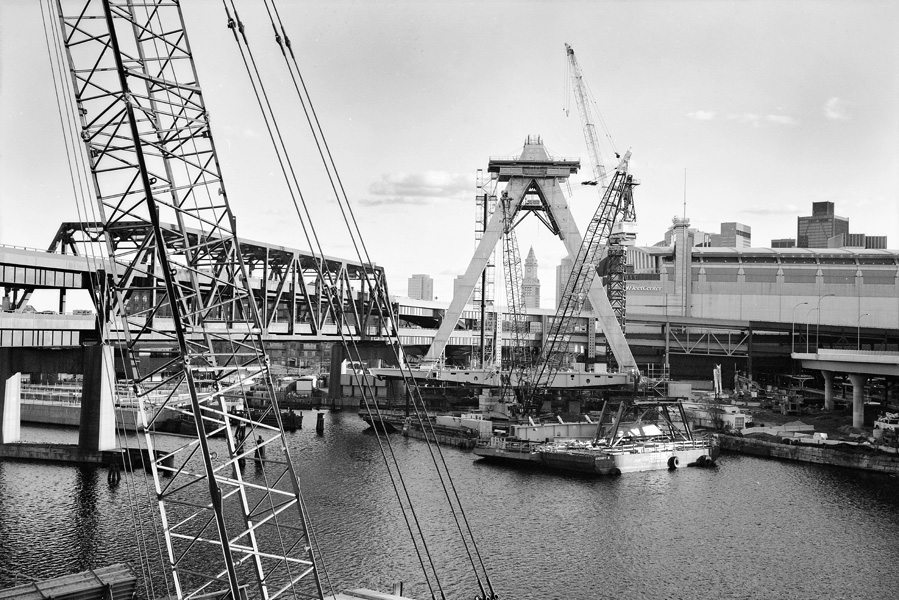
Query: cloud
781	119
836	109
701	115
419	188
758	120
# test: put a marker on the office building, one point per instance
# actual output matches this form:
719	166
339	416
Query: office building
815	231
421	287
733	235
824	229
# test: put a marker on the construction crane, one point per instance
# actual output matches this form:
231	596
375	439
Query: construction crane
583	108
555	349
170	237
624	229
518	350
173	270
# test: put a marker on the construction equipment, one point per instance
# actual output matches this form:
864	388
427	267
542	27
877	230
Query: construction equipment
624	228
518	353
179	276
555	352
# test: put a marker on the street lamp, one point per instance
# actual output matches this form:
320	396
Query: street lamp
793	327
858	336
807	322
818	326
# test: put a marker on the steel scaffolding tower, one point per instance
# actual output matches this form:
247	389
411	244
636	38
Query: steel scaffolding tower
153	162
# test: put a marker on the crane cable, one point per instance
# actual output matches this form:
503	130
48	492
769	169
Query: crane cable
284	162
333	305
443	477
343	200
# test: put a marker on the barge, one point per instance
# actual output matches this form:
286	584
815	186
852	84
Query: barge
629	442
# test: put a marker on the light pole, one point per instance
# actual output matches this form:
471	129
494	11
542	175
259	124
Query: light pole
807	323
793	327
858	336
818	326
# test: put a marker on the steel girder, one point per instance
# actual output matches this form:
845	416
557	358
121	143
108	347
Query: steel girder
717	343
292	283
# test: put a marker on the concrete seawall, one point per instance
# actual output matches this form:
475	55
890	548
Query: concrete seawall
866	459
54	414
62	453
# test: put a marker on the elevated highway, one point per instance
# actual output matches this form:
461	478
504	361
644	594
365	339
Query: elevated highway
859	365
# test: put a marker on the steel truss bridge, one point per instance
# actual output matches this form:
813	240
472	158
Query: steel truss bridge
294	289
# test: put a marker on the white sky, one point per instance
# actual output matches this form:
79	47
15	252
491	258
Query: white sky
769	106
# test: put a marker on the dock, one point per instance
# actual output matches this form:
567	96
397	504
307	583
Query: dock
852	456
126	458
115	581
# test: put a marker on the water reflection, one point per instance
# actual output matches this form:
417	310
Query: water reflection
85	517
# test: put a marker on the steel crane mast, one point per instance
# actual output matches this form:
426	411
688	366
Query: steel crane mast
583	108
177	275
512	265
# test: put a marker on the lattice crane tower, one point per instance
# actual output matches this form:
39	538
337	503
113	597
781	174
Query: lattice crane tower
155	173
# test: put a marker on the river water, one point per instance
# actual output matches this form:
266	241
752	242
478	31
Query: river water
749	528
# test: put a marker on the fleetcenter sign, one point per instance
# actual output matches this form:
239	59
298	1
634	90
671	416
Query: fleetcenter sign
644	288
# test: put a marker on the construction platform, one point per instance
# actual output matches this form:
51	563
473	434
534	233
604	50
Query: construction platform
494	377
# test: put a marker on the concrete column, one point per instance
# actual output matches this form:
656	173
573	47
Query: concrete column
683	261
10	400
858	399
97	429
828	390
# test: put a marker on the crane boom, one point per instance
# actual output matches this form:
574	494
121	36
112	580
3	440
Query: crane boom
177	272
583	108
624	226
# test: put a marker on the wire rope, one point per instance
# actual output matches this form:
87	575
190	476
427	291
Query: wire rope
262	100
333	306
330	167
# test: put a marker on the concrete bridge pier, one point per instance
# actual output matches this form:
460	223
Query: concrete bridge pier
858	398
828	390
97	427
10	400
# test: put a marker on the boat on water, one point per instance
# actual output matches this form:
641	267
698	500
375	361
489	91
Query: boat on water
642	435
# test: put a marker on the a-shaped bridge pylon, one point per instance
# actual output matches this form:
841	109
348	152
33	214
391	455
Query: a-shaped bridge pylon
534	182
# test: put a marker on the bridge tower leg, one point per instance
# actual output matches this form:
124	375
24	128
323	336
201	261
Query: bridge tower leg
858	399
10	400
97	426
828	390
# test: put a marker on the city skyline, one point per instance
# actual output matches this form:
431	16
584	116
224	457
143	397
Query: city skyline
749	111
